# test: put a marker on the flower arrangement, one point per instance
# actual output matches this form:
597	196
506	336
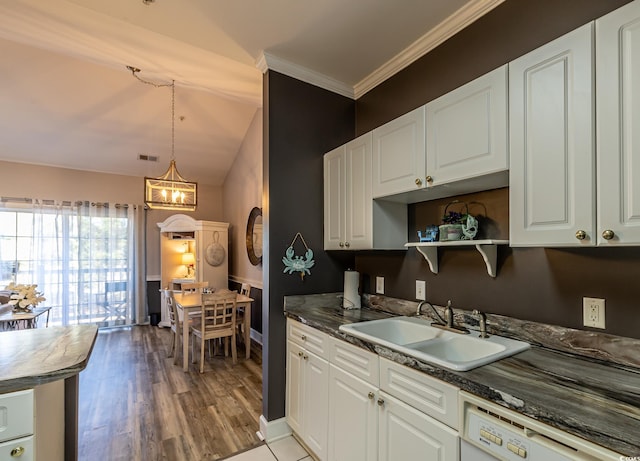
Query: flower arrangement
24	297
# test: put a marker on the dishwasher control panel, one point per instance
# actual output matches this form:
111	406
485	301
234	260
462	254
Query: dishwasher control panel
510	436
493	437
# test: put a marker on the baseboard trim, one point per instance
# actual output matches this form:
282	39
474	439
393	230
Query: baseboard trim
256	336
273	430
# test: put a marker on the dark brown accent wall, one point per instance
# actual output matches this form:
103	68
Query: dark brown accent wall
543	285
509	31
301	123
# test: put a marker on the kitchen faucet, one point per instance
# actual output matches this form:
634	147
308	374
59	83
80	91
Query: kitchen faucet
483	323
445	323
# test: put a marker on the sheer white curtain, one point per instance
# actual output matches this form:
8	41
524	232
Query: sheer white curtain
87	258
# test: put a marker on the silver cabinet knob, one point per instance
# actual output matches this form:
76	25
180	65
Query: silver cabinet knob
581	235
429	179
371	395
341	244
380	401
306	357
303	337
300	354
347	244
418	182
608	234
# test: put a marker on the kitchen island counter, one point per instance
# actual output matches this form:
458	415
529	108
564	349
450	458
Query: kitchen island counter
49	360
38	356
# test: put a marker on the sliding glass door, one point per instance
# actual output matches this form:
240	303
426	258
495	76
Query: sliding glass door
81	255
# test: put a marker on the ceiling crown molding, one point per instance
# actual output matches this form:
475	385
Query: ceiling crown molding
466	15
267	61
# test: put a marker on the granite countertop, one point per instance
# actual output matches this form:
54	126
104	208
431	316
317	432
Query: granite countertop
37	356
590	398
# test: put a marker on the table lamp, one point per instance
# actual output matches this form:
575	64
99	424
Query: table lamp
189	260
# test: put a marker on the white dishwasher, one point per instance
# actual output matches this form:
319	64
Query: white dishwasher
490	432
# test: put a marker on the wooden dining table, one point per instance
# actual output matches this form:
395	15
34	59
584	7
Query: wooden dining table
10	320
192	302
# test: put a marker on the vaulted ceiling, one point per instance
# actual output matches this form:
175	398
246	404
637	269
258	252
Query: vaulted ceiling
68	100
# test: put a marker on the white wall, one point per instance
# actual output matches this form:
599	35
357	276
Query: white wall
242	191
35	181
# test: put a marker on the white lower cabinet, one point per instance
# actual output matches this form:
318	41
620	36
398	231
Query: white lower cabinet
22	449
348	404
17	425
353	417
307	401
408	434
377	410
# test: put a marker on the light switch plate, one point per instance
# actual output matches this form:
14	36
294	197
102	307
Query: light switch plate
380	285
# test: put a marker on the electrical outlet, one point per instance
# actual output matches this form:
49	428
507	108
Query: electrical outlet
421	290
593	312
380	285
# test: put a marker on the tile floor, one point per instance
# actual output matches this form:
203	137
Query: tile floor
286	449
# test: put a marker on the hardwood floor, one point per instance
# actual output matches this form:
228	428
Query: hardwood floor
135	404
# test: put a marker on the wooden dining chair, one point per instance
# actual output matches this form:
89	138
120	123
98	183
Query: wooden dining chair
218	320
176	324
193	287
245	290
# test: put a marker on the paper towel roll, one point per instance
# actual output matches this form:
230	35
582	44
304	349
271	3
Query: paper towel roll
351	298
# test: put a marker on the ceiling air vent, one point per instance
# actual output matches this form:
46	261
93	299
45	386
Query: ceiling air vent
148	158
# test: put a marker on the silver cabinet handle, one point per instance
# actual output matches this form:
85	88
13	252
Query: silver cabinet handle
347	244
380	401
581	235
371	395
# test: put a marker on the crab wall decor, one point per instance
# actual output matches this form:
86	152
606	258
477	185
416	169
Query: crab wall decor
293	263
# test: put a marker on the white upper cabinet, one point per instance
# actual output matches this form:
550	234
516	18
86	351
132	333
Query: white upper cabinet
399	155
618	126
348	203
335	198
467	130
552	148
352	219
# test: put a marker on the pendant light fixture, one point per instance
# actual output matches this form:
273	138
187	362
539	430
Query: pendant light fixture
170	191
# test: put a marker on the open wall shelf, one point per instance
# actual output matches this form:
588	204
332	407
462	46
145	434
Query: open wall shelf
487	248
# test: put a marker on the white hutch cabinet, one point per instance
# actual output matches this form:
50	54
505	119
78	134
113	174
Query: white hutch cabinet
206	240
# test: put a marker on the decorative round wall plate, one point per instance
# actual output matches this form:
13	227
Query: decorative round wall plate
214	253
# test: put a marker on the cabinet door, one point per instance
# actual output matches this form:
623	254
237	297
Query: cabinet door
334	199
618	124
353	418
467	130
295	387
399	155
408	434
552	156
359	202
316	404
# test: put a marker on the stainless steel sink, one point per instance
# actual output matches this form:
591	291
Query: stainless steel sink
417	338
